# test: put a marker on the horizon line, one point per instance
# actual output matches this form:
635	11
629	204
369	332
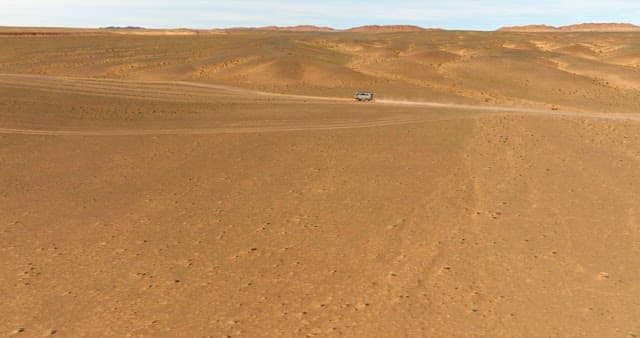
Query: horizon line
274	26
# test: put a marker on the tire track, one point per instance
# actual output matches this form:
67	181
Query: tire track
116	89
178	91
226	130
153	90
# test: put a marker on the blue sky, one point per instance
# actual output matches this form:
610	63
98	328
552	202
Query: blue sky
450	14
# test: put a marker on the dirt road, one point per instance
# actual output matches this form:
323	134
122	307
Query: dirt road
188	91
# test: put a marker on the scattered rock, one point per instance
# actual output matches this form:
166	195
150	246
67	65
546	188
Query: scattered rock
16	331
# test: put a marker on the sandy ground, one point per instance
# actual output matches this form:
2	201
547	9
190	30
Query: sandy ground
131	207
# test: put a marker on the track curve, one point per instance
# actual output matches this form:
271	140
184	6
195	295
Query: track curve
182	90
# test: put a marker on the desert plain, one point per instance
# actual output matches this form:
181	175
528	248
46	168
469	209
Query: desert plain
225	183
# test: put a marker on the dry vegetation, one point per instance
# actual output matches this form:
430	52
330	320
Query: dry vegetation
149	186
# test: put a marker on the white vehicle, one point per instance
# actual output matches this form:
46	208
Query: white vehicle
364	96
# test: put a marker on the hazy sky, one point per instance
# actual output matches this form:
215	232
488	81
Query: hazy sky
452	14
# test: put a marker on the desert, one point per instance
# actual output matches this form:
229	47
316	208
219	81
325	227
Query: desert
225	183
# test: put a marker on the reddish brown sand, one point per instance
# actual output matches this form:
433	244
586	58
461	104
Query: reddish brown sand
133	204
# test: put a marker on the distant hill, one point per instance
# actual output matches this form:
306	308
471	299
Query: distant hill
300	28
120	27
605	27
583	27
310	28
386	29
528	28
